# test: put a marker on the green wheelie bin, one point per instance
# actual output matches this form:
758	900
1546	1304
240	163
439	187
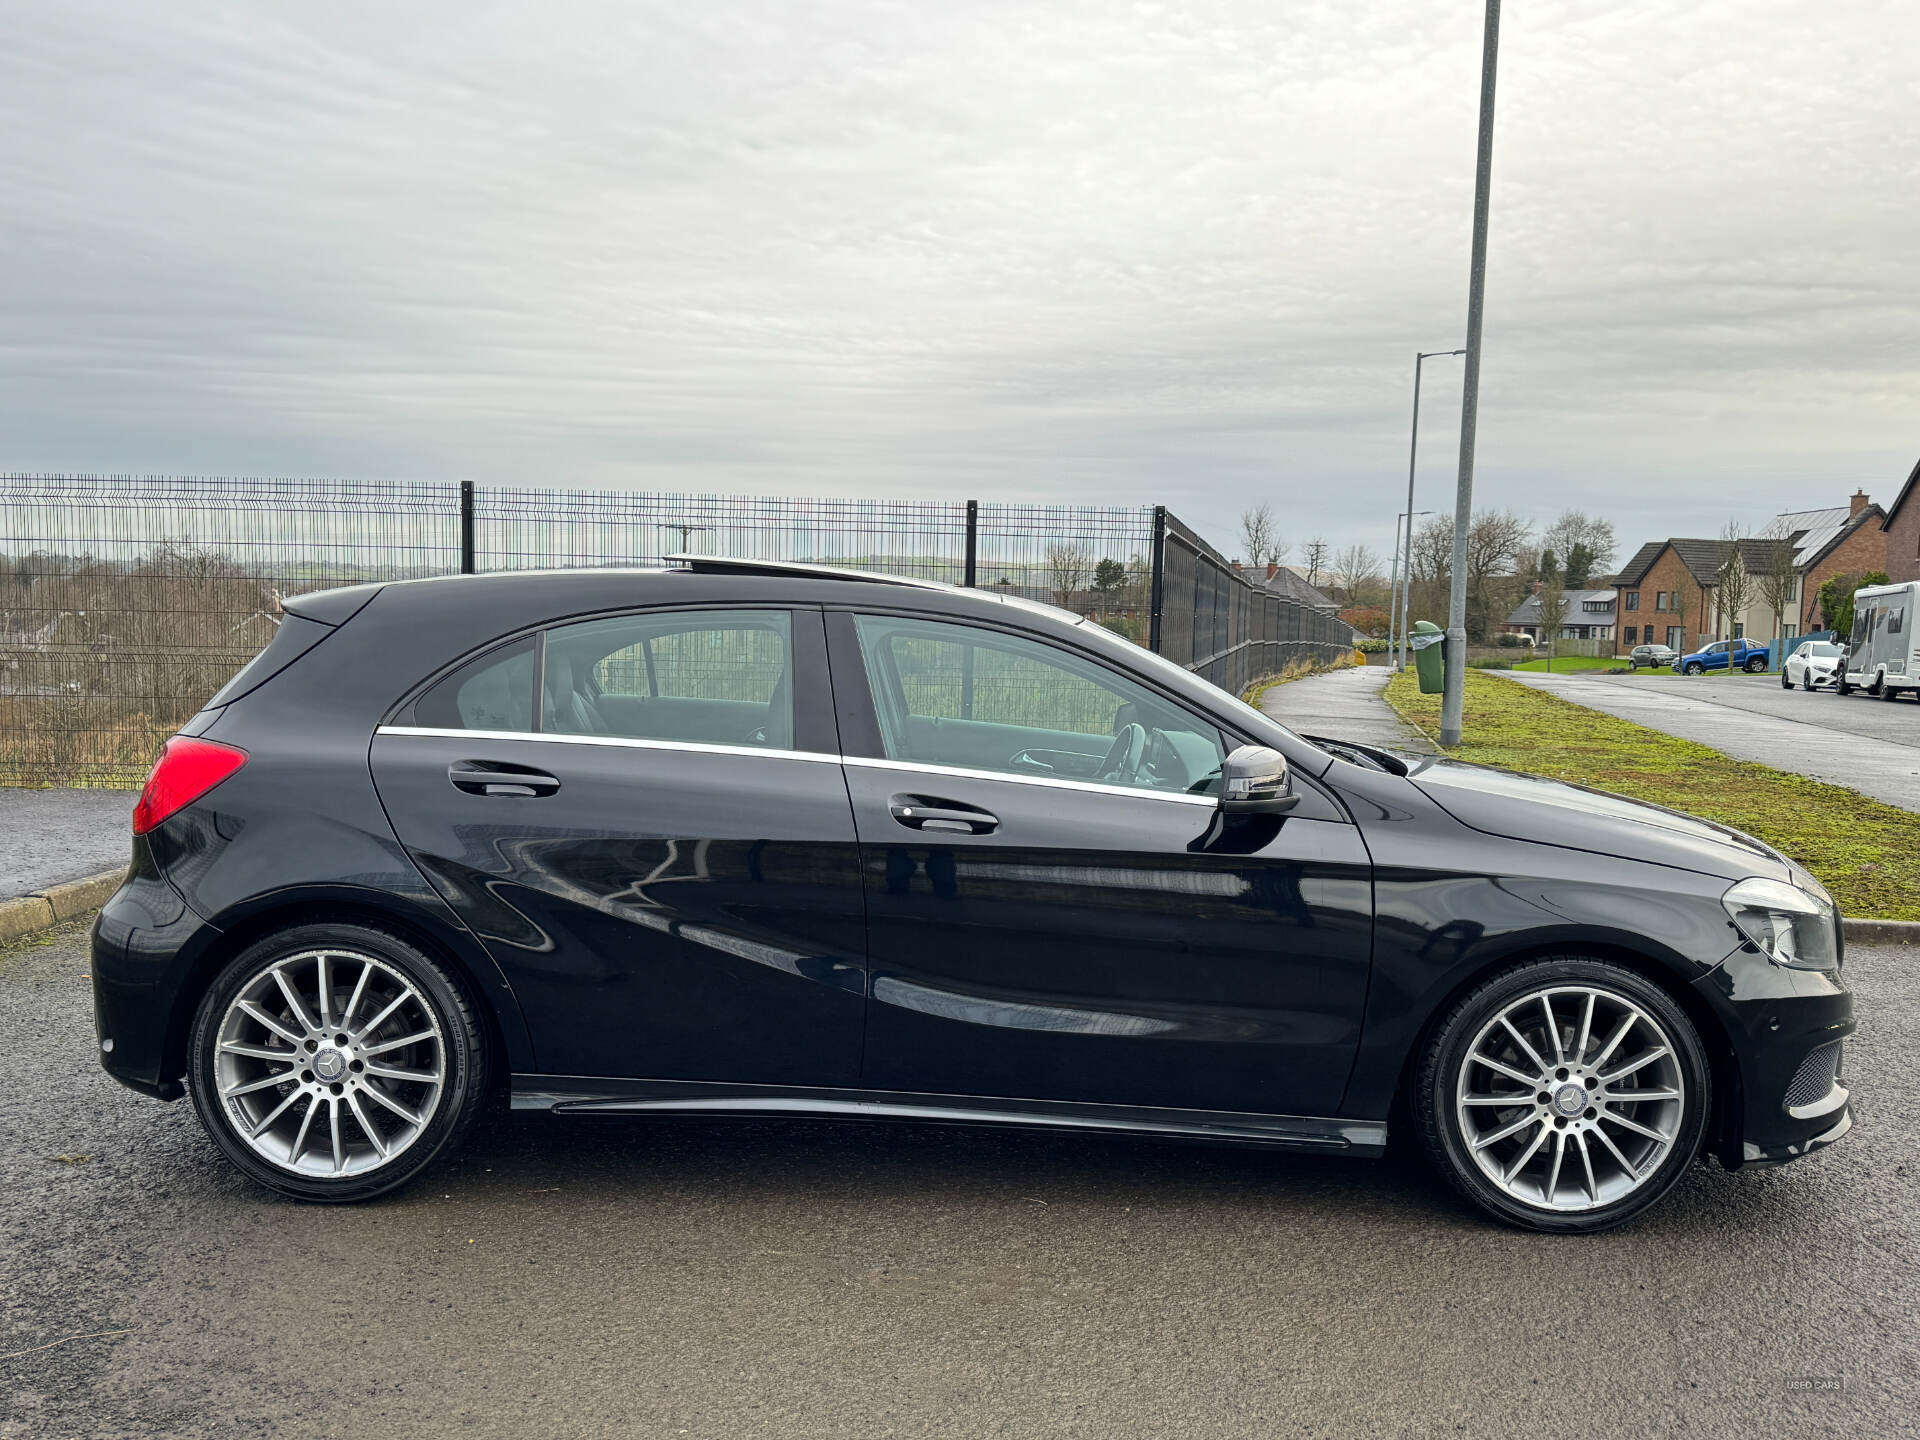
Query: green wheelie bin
1429	656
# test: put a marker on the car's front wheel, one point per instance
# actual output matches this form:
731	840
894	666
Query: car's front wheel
1564	1095
1786	682
1695	668
335	1062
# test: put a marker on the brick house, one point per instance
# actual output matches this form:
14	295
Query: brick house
1848	541
1901	527
1668	591
1589	616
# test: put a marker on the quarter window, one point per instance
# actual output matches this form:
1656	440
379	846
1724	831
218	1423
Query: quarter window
493	692
947	694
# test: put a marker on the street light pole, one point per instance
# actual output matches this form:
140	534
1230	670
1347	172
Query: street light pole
1399	599
1413	454
1450	700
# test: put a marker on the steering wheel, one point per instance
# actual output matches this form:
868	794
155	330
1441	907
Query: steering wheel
1122	763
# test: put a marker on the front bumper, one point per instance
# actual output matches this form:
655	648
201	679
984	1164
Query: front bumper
1787	1095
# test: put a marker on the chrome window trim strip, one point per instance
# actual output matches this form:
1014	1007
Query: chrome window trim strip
622	742
958	772
961	772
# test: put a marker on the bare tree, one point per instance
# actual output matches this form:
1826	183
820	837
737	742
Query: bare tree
1497	542
1260	537
1552	605
1356	569
1592	533
1070	566
1774	582
1318	557
1733	586
1430	569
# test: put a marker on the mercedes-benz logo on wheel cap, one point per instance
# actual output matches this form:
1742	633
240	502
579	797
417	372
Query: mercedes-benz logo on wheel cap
329	1064
1570	1099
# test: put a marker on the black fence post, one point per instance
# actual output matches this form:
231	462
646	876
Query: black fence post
466	527
973	549
1159	577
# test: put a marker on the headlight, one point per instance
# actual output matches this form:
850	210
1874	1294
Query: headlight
1791	926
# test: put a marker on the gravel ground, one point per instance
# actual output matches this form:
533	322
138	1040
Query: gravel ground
745	1279
47	836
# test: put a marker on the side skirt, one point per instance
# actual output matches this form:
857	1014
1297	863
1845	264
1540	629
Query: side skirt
589	1095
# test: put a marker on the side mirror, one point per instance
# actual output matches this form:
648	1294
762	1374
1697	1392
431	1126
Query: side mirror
1253	781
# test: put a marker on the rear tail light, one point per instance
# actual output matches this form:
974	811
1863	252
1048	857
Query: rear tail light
186	770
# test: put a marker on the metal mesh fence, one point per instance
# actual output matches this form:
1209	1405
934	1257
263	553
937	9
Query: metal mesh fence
126	601
1228	630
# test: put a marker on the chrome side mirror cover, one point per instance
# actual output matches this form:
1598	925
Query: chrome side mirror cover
1253	781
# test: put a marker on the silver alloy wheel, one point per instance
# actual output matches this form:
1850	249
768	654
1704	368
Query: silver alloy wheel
1570	1098
330	1063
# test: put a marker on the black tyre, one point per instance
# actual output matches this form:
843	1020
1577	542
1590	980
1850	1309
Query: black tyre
1785	683
1571	1130
336	1062
1695	668
1806	682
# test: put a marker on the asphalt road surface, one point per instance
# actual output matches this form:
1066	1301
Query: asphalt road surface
745	1279
1868	745
51	836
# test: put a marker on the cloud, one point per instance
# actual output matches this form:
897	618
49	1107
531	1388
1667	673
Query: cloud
1079	251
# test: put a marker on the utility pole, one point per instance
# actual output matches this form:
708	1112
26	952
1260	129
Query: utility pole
1413	454
1450	700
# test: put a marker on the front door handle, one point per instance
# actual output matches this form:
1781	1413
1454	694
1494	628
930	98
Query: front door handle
497	777
948	817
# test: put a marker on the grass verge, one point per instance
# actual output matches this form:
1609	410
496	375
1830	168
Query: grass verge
1567	664
1865	852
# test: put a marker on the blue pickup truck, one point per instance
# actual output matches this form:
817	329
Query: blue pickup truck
1725	655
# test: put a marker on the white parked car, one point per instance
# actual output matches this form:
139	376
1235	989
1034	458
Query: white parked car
1813	666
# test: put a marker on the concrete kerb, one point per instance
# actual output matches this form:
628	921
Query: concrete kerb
57	904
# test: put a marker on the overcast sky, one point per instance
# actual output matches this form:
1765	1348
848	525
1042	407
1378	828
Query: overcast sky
1047	251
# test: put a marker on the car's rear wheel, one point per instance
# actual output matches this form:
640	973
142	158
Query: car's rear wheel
336	1062
1563	1095
1756	665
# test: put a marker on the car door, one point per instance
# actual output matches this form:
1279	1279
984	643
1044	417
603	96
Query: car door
642	818
1055	909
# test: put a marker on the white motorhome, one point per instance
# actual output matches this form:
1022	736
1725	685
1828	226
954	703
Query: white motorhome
1883	654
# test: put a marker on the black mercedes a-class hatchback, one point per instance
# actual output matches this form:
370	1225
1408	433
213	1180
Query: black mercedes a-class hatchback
762	839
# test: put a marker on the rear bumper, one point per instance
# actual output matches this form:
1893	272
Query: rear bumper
144	941
1787	1096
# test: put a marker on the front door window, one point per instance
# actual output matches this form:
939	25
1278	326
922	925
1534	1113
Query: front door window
978	699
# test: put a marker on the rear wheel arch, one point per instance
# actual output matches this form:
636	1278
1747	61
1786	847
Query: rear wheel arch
393	920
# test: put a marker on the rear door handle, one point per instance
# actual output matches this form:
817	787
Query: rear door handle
949	817
490	777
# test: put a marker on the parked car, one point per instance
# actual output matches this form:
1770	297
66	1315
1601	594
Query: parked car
1654	657
1812	666
1883	652
1726	654
759	839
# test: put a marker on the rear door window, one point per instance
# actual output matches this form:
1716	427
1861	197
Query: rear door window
717	677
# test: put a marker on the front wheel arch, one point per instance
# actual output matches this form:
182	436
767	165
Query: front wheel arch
1723	1120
